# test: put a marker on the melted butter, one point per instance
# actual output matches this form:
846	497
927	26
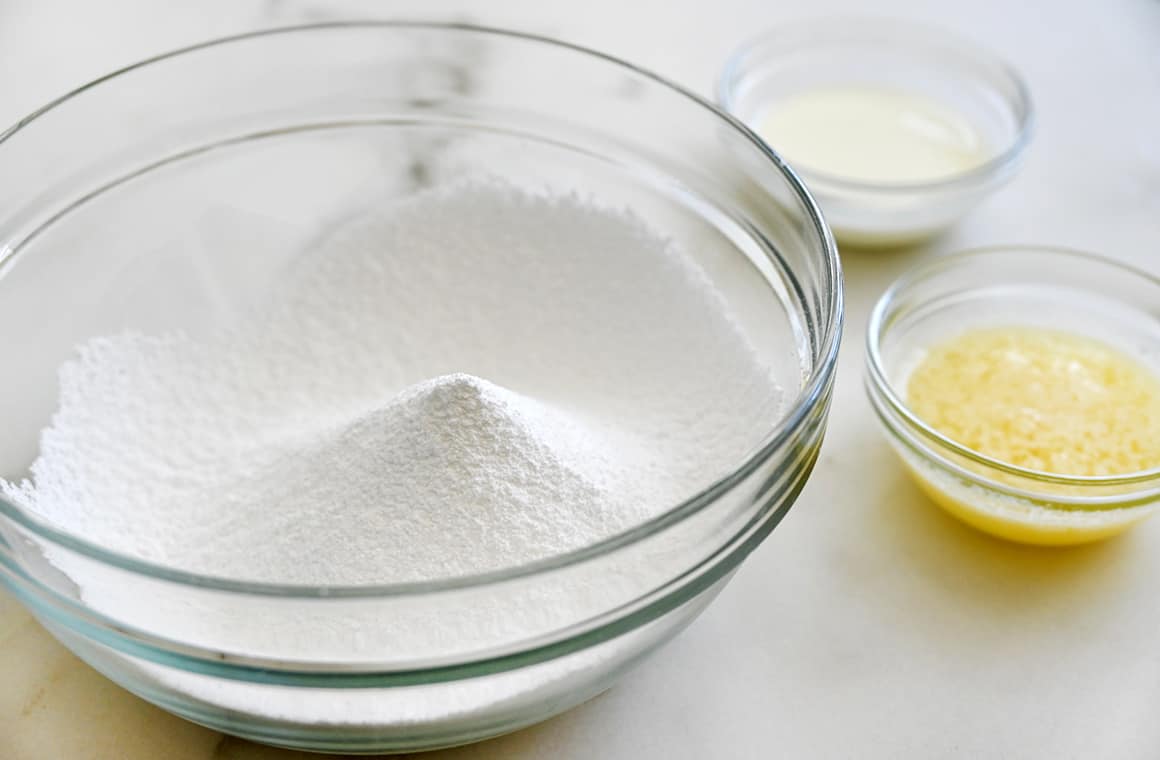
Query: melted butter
1043	400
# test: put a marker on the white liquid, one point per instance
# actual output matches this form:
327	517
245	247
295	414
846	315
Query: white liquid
873	134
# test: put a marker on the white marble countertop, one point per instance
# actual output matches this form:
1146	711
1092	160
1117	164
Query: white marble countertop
868	625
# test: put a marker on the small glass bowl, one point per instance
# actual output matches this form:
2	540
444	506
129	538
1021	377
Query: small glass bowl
1025	287
900	56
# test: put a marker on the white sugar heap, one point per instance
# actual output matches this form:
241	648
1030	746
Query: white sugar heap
342	434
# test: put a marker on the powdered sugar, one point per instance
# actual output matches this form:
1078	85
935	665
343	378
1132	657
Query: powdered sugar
467	380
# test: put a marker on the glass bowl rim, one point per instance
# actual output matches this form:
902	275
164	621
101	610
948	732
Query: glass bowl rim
878	325
798	414
748	58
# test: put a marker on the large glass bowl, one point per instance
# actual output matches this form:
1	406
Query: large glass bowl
163	196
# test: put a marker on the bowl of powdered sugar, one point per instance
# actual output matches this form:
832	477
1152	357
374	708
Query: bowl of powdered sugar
381	387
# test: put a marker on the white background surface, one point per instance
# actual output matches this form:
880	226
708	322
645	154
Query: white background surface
868	625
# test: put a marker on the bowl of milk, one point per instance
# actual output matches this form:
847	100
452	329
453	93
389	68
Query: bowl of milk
898	129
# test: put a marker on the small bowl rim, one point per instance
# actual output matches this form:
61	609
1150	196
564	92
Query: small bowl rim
878	326
798	414
907	33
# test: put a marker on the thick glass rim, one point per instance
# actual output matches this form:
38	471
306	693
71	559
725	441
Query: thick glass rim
825	349
880	322
755	53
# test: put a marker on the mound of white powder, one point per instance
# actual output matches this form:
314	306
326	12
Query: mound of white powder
467	380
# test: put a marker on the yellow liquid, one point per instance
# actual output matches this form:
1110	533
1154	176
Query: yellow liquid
873	134
1042	400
